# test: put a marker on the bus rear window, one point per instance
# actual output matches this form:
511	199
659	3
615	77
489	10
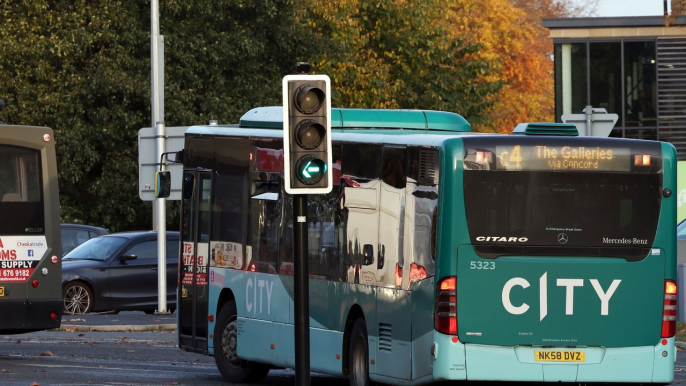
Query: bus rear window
562	214
21	198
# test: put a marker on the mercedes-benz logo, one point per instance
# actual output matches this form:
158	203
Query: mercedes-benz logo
562	238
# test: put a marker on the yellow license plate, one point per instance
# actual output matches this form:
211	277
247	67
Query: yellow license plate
2	291
559	356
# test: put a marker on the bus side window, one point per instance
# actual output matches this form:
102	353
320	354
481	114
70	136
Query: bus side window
394	164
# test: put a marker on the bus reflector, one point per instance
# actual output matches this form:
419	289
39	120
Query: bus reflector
446	306
669	310
34	283
53	315
642	160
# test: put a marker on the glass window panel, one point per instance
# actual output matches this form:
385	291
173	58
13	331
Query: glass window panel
606	86
147	250
571	85
650	134
640	84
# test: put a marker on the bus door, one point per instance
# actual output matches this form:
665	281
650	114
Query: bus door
194	265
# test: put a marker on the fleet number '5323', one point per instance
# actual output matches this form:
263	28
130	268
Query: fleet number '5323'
482	265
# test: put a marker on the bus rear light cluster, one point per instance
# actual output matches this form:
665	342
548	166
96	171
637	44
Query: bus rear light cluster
446	306
669	310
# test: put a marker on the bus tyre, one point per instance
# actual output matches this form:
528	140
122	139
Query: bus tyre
78	298
358	355
230	366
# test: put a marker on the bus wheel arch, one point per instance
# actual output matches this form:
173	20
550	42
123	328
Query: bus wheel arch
225	344
225	296
354	314
78	297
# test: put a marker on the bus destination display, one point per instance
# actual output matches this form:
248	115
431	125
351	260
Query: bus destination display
547	157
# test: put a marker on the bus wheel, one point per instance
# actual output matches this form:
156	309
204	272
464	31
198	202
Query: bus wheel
78	298
230	366
358	355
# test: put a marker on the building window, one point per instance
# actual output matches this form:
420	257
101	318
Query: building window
606	76
571	86
619	76
641	84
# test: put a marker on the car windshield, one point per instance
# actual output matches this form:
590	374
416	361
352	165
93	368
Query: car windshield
99	248
681	230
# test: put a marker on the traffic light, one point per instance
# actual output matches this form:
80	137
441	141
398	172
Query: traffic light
307	134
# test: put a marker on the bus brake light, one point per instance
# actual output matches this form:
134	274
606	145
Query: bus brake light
669	310
446	306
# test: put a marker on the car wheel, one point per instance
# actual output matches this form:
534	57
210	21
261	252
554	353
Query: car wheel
230	366
358	355
78	298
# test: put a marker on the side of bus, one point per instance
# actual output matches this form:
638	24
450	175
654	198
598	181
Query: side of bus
371	256
30	246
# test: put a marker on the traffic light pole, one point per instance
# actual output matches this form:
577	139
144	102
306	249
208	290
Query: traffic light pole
302	291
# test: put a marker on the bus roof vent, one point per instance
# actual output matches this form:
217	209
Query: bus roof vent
560	129
425	120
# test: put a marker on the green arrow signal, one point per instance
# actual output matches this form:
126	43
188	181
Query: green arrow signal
310	169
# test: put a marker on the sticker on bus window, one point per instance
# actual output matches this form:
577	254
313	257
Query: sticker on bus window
226	255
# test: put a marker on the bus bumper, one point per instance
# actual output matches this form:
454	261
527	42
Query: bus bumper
21	316
458	361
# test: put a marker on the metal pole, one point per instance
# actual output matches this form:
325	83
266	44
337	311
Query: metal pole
589	112
157	96
302	291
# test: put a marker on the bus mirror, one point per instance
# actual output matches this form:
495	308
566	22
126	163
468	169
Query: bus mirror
368	251
162	184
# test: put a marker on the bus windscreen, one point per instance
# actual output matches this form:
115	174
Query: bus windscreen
607	209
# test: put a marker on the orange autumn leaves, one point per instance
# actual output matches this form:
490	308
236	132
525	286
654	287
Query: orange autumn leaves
519	43
487	60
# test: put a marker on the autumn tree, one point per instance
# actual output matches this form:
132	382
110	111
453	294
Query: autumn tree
399	54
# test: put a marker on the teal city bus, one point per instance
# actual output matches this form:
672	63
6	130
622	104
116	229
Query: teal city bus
440	254
30	246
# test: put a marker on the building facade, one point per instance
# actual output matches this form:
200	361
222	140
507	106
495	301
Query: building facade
634	67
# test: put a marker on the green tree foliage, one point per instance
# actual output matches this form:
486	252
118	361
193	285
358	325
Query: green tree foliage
401	54
82	67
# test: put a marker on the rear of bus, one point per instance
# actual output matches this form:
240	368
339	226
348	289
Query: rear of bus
30	267
557	260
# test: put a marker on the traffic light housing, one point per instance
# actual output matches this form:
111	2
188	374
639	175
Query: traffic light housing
307	134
